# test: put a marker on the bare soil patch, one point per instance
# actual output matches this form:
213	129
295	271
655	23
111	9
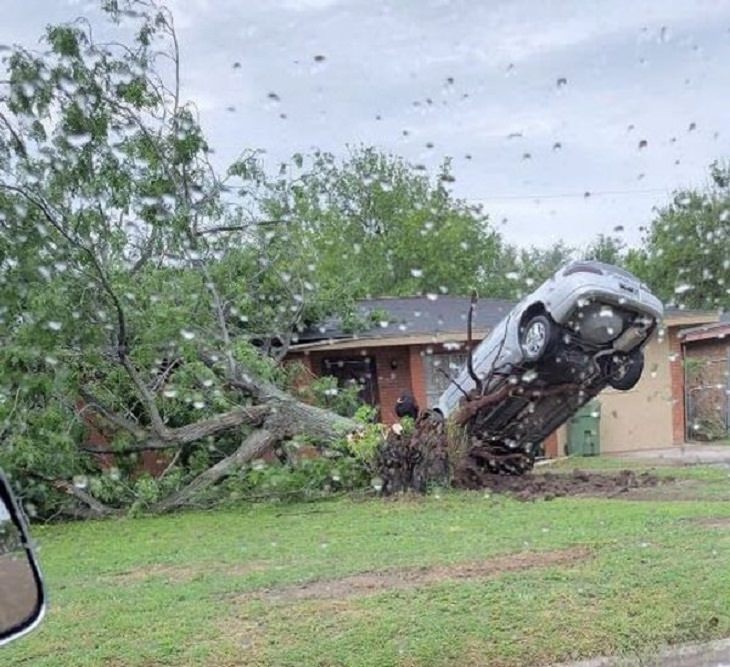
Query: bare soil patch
180	574
371	583
713	522
550	485
680	490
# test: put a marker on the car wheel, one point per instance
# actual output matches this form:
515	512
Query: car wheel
536	337
625	370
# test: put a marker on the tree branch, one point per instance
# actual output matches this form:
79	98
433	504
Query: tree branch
252	446
177	437
145	253
468	410
238	228
19	145
469	360
244	416
97	508
221	317
106	413
158	426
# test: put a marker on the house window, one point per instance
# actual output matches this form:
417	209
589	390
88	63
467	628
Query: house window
439	369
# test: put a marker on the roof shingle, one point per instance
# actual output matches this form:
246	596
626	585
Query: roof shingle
418	315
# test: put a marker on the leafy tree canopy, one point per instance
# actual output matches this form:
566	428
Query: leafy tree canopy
372	225
685	255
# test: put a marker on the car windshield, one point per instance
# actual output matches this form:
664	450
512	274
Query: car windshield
338	332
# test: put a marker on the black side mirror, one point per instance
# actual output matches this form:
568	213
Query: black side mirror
22	597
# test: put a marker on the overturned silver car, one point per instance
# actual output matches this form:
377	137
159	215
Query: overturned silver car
580	331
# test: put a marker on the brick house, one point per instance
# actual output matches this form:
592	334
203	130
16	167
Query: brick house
422	340
412	350
706	351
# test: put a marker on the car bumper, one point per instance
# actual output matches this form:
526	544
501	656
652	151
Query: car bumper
636	300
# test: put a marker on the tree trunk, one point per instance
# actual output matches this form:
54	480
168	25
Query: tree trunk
289	417
286	418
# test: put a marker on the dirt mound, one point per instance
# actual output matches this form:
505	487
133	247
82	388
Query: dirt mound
553	485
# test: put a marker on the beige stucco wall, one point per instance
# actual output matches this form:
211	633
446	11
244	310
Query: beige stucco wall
640	418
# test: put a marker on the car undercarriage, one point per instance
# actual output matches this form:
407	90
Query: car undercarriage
525	404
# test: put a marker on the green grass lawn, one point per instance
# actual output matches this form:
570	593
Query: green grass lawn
235	586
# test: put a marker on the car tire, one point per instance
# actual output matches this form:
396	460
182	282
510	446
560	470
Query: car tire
536	338
625	370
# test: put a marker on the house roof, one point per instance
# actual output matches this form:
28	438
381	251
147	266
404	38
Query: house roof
719	329
685	317
417	319
441	319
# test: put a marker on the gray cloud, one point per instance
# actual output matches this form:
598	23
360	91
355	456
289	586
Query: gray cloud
629	71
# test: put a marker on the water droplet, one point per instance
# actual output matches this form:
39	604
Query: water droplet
530	376
78	140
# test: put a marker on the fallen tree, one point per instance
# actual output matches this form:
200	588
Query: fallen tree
143	293
149	298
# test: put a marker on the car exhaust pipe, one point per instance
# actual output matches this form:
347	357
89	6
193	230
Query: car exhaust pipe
629	339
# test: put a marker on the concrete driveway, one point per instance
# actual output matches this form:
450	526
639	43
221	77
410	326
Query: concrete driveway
685	454
712	654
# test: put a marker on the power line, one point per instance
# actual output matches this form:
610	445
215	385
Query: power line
582	195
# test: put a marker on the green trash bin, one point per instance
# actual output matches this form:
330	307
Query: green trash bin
584	431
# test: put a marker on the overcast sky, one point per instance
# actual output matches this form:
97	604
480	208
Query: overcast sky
537	102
